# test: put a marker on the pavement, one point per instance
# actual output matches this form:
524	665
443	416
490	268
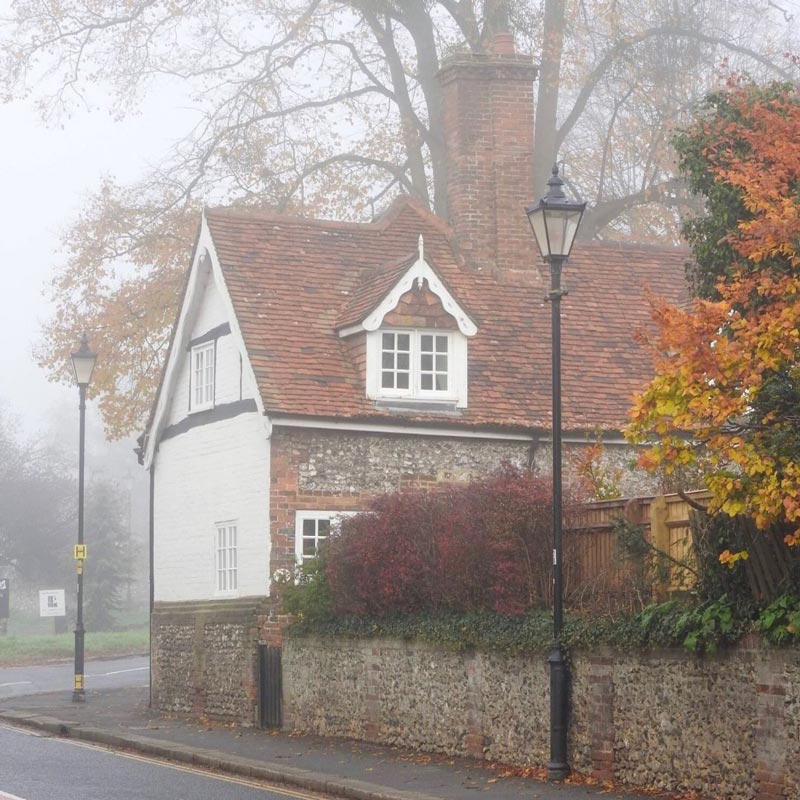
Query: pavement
121	718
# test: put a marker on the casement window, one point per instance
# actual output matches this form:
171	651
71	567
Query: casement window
226	558
417	365
202	376
312	528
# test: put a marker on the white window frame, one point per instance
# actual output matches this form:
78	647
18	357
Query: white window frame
209	348
302	516
226	559
456	367
415	372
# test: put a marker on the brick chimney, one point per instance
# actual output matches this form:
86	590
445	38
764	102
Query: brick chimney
487	116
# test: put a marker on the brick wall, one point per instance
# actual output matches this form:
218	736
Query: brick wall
725	727
487	119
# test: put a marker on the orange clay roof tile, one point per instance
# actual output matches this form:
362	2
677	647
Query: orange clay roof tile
293	282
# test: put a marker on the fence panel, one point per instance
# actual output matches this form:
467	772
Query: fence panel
598	564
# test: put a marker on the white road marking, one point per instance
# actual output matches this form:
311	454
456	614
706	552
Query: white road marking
15	683
7	796
23	731
115	672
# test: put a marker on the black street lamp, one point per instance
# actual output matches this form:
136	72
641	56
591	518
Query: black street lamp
83	365
555	220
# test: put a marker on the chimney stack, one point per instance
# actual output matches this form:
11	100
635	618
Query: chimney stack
487	115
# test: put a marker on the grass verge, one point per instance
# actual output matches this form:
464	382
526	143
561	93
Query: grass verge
18	650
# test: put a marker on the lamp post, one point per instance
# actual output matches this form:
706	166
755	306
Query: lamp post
555	220
83	365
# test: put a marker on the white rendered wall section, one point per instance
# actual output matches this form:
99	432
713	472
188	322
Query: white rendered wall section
213	473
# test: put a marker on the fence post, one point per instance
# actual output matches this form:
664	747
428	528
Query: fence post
659	533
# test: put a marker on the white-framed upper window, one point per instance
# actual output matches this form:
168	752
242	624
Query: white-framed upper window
226	558
312	528
417	365
202	376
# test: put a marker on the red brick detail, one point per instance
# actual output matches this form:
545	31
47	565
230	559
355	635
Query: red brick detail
770	733
601	717
487	118
419	309
270	629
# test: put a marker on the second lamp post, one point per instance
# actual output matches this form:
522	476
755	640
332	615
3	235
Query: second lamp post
555	220
83	366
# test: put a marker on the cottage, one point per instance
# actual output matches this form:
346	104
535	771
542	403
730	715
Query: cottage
315	364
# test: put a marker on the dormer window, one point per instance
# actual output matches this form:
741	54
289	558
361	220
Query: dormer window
202	376
412	368
415	363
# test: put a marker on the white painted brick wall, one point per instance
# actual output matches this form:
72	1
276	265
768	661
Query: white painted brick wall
229	385
212	473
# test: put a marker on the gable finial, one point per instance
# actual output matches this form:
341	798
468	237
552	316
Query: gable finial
421	258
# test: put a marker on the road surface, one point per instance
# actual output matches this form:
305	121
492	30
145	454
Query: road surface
40	767
114	673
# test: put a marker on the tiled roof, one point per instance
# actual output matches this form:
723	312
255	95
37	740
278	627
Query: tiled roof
293	281
368	295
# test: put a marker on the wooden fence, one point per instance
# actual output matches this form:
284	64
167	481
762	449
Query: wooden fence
597	567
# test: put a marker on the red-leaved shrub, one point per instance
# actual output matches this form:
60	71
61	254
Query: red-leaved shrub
486	545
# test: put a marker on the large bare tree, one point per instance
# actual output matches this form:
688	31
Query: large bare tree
328	107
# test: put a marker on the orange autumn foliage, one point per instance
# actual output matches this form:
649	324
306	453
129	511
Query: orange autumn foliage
718	362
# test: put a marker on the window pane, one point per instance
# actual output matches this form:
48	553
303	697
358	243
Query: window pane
441	363
309	528
403	361
388	341
441	383
324	527
441	344
426	342
402	380
387	362
403	341
309	548
426	382
387	380
426	362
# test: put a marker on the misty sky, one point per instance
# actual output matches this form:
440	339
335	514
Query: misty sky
46	174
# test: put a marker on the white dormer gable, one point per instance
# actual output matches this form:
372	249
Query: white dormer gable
408	366
207	362
419	273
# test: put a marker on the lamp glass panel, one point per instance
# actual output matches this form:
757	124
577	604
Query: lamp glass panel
562	227
554	221
83	368
572	222
540	230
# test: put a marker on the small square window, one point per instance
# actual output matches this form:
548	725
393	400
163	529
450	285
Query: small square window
312	528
